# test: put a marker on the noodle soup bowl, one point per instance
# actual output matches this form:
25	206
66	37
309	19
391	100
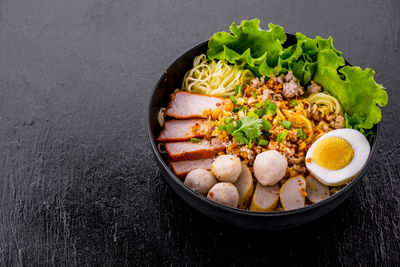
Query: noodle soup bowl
172	79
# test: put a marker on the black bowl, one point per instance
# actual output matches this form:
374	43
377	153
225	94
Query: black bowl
172	79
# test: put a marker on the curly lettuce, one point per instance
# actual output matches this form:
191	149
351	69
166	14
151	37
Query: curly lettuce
260	49
264	53
356	89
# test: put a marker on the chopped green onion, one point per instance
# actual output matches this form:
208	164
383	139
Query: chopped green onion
238	88
263	142
260	112
253	94
228	120
221	127
286	124
195	140
252	114
282	136
260	105
268	102
301	134
270	107
293	103
234	101
230	128
266	125
237	109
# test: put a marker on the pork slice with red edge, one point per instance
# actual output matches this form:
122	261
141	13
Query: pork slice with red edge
186	105
181	168
182	130
188	150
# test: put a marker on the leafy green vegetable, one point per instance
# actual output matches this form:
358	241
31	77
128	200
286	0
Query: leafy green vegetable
230	128
286	124
356	89
282	136
263	142
233	99
260	112
309	59
270	107
249	43
260	105
252	114
301	134
240	137
250	129
221	127
228	120
238	88
266	124
352	123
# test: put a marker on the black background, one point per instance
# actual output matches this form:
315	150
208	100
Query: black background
78	182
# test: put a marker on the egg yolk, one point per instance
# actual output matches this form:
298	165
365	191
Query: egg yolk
333	153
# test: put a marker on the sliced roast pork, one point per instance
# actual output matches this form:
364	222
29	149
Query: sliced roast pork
181	168
186	105
182	130
190	151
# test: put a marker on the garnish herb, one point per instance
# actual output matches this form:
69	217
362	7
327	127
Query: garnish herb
310	59
234	101
195	140
282	136
230	128
266	125
253	94
286	124
228	120
293	103
270	107
252	114
238	88
260	112
260	105
263	142
301	134
250	129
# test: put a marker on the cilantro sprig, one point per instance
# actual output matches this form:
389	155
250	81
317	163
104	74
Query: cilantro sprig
248	130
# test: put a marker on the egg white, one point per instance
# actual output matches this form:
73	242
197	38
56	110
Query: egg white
361	148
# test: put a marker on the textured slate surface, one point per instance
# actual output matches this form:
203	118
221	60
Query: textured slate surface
78	182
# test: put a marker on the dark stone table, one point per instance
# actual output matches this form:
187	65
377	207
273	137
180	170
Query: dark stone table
78	182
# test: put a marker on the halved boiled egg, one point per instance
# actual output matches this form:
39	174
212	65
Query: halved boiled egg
338	156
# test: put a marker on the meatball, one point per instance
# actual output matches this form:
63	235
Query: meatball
225	194
200	181
270	167
226	168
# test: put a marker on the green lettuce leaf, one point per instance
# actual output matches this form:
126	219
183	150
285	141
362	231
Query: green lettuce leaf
316	59
260	49
356	89
249	130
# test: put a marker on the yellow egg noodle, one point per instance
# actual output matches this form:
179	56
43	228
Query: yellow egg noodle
213	77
